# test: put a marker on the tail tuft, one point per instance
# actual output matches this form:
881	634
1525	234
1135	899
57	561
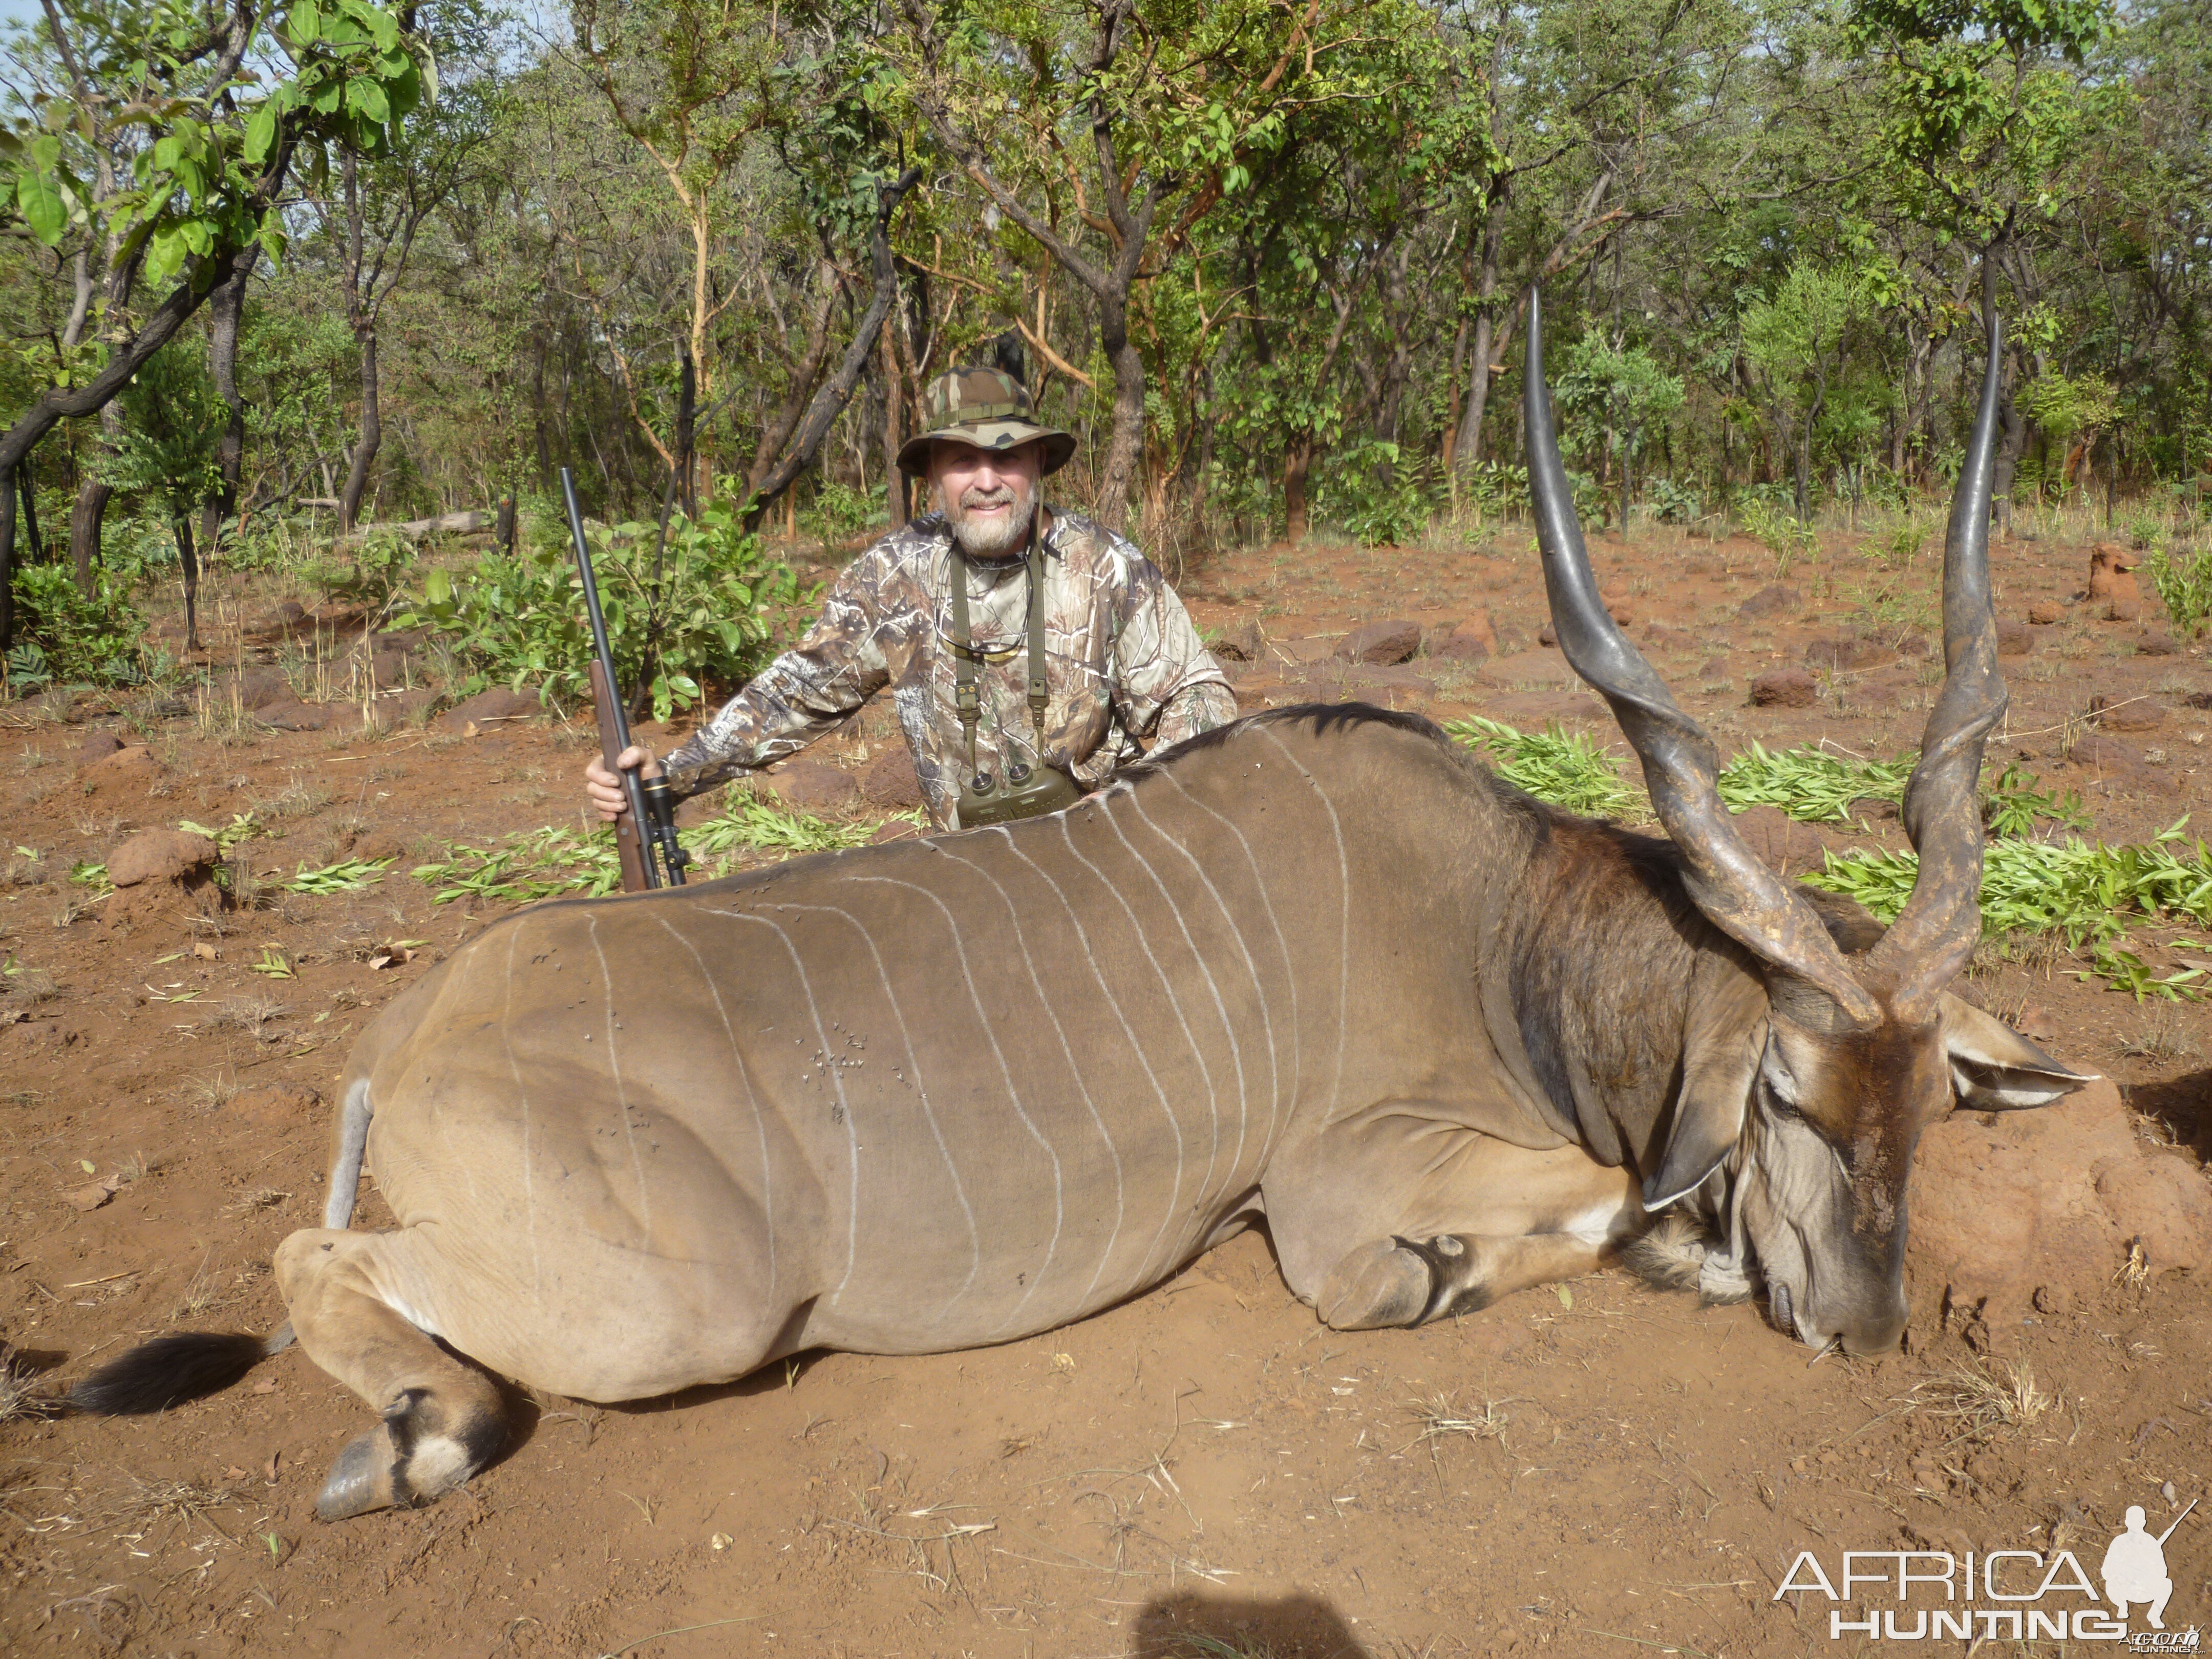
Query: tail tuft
168	1371
1670	1255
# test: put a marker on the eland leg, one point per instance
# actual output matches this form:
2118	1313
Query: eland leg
443	1420
1399	1219
1409	1281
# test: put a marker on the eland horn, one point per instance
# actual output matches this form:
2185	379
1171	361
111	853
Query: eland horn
1729	883
1934	935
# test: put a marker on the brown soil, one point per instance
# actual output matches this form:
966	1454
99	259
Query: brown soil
1593	1468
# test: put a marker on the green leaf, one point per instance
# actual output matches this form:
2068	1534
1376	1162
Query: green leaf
41	206
260	133
366	98
305	24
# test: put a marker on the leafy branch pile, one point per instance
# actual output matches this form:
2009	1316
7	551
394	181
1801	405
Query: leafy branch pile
2084	892
536	864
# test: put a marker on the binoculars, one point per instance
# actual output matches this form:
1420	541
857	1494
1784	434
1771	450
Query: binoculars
1024	792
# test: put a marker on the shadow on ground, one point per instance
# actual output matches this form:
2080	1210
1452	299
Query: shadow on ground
1187	1626
2183	1104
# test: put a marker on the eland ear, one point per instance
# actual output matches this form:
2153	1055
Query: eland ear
1996	1069
1709	1114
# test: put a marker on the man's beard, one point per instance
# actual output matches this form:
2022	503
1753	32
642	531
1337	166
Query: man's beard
995	537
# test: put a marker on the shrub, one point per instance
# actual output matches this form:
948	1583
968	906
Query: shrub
76	639
520	620
2184	586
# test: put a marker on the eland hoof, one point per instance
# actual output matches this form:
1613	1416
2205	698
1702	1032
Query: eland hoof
362	1480
424	1448
1388	1283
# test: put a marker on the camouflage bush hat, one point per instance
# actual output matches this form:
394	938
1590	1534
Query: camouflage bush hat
987	407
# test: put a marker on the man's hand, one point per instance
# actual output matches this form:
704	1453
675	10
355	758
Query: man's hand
605	789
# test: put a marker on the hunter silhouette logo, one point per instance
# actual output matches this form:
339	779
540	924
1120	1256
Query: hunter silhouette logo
2005	1594
2135	1568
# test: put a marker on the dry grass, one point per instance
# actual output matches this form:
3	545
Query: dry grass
210	1094
1442	1417
252	1203
249	1015
25	988
1992	1401
212	1290
21	1396
297	799
2164	1038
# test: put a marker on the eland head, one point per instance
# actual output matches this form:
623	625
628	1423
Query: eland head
1799	1146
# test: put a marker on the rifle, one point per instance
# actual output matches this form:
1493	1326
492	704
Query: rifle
645	836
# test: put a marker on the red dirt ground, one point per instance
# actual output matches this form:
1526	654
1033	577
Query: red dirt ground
1594	1469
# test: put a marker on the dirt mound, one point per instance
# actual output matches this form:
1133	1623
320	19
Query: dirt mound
2007	1203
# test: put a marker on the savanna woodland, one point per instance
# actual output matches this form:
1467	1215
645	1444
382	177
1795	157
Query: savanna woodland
304	310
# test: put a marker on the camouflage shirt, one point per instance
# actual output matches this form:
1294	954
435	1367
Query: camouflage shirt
1123	664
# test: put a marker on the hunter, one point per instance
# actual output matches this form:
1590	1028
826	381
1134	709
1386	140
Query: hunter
1122	665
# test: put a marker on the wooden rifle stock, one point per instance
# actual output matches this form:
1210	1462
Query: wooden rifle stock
628	843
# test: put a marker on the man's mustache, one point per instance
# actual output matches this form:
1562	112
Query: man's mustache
1004	495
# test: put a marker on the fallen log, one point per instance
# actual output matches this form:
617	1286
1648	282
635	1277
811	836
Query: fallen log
449	523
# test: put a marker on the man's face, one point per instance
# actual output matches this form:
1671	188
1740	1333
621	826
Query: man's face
988	495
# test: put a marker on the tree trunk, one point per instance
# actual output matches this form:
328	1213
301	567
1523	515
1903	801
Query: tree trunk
188	560
7	551
1468	449
895	500
24	483
226	305
90	509
2014	428
1297	463
371	434
59	404
837	391
1111	509
537	421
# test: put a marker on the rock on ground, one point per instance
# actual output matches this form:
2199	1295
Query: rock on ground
2014	639
1784	688
2129	714
890	781
133	771
1772	600
2005	1203
1381	642
1241	641
161	856
2044	612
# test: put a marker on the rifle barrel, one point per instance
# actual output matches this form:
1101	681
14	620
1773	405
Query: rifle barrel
638	868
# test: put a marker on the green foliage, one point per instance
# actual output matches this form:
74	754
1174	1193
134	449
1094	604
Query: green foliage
1779	531
2081	892
172	423
1378	493
1564	767
2013	806
840	512
1674	503
2184	586
1612	397
521	621
348	876
536	864
378	567
1810	785
76	639
194	147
